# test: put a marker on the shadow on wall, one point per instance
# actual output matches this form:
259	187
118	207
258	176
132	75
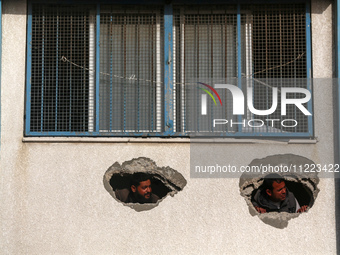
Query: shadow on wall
153	183
302	185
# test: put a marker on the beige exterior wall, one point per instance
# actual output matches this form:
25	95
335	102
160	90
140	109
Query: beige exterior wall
53	200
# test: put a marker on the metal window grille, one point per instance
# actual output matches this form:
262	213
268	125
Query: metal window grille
206	51
273	54
278	37
131	54
278	59
59	92
106	76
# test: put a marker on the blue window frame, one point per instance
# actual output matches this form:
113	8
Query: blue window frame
143	70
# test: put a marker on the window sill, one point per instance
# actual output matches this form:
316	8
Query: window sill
163	140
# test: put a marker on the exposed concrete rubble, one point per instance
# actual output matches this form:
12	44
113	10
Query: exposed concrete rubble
170	178
306	181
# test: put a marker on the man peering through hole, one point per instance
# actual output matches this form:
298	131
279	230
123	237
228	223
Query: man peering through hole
140	190
274	196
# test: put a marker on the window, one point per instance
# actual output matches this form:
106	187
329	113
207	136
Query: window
142	70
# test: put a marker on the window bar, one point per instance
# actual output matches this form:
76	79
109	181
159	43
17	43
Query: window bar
174	73
82	25
225	47
182	29
82	21
42	73
226	61
168	70
197	37
29	69
294	63
294	42
92	49
211	44
239	57
271	19
137	53
70	89
266	40
124	72
158	76
111	71
97	65
57	75
269	74
309	66
0	62
281	61
151	91
281	51
249	54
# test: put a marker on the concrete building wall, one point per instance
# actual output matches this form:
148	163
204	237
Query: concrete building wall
53	200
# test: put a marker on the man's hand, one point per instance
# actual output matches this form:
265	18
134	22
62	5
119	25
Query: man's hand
302	209
260	209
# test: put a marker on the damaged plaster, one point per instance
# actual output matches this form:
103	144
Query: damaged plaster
305	183
171	181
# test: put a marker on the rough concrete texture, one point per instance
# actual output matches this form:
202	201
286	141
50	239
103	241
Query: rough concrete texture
252	181
172	179
323	61
53	200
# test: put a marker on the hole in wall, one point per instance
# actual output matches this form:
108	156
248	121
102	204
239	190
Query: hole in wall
301	184
159	181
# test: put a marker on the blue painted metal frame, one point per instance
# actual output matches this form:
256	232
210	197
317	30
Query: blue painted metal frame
97	65
337	121
29	70
338	75
105	134
168	76
42	75
168	70
239	45
239	58
309	66
56	76
0	62
174	2
338	67
111	77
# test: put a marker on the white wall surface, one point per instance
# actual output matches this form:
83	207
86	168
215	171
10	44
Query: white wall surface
53	200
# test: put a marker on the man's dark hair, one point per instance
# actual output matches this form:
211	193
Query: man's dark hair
139	177
269	179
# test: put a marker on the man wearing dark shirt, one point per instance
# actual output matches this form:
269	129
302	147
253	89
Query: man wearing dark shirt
275	197
140	190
